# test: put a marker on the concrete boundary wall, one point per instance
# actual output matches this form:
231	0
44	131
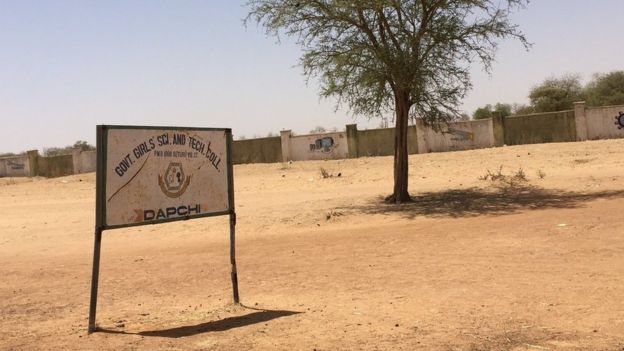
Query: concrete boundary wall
84	161
455	136
32	164
582	123
377	142
15	166
261	150
55	166
324	146
464	135
601	122
540	128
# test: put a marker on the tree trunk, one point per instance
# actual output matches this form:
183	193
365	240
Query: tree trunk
402	105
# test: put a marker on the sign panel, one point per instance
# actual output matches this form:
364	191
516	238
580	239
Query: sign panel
159	174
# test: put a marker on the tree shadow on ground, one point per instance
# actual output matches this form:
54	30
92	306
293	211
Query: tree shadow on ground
260	316
498	200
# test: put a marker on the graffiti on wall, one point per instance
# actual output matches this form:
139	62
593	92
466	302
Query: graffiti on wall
325	144
460	135
14	165
619	120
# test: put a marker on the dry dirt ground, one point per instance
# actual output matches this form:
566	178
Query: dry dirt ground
472	264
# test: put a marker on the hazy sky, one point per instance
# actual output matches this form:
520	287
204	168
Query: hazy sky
66	66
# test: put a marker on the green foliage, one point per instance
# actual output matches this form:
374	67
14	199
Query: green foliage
502	110
369	52
556	94
9	154
522	109
606	89
410	57
483	112
83	146
56	151
488	111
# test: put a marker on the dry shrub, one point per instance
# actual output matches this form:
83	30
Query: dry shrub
508	180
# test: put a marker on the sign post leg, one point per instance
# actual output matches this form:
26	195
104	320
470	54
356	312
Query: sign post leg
233	256
94	280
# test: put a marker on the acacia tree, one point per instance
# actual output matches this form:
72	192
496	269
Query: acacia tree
556	94
488	111
407	57
606	89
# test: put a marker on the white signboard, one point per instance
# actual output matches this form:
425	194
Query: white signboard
158	174
151	175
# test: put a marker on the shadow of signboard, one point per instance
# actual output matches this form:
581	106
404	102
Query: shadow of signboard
212	326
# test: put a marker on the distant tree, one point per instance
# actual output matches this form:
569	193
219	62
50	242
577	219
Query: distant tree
83	145
55	151
502	110
242	137
271	135
521	109
605	89
556	94
318	129
409	57
67	150
483	112
9	154
488	111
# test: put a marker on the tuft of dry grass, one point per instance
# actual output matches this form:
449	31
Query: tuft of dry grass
324	173
520	175
493	176
508	180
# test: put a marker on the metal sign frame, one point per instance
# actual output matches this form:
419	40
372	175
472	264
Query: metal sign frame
100	206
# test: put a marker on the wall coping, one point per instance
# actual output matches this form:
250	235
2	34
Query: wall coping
540	114
603	107
11	157
261	138
315	134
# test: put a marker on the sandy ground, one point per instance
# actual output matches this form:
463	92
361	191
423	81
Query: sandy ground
472	264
